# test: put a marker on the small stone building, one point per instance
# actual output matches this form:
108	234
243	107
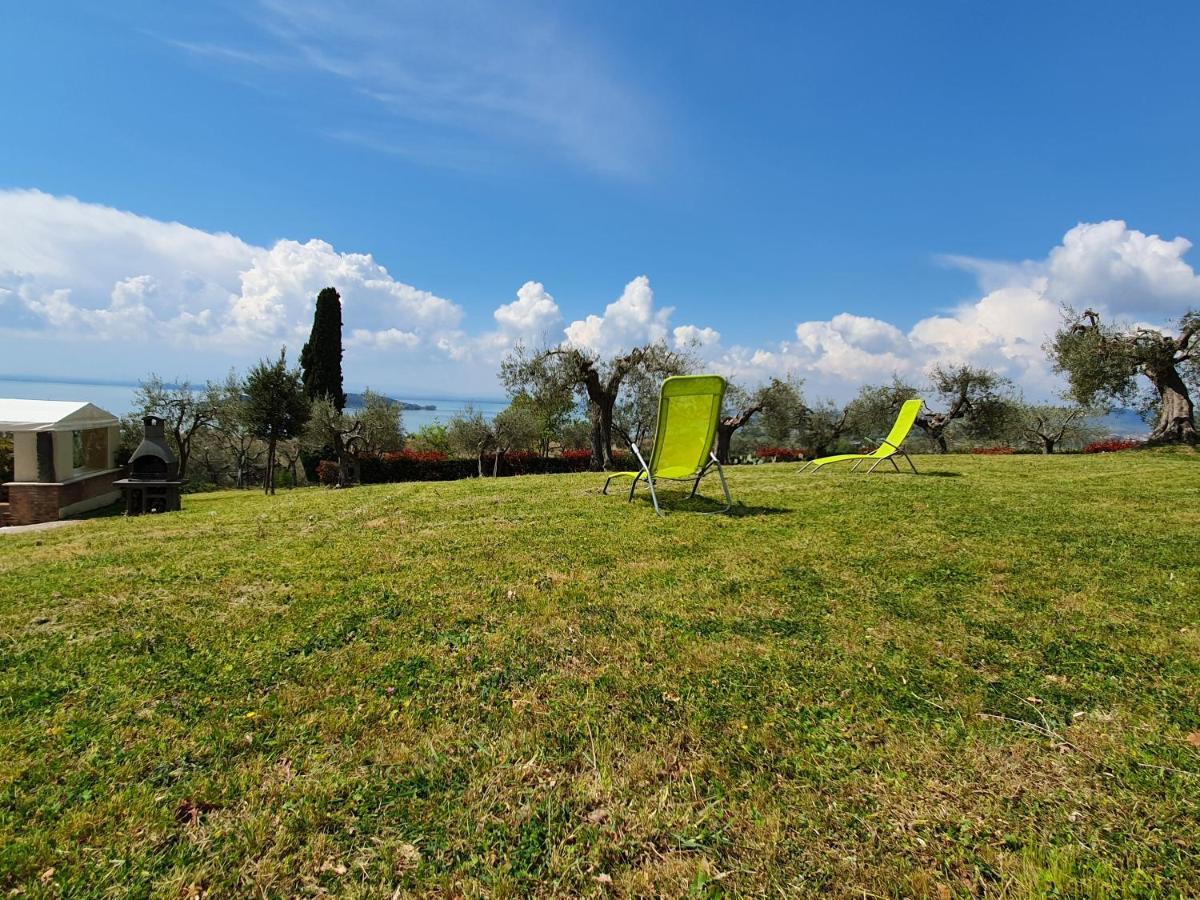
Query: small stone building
63	459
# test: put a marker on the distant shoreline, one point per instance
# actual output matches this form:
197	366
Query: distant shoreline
415	403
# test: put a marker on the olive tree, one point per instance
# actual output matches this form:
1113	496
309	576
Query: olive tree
971	400
514	428
635	415
382	423
597	381
236	448
1102	363
740	407
331	429
871	413
276	408
470	434
1047	426
187	410
973	396
824	426
783	409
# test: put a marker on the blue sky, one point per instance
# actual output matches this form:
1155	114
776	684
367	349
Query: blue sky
762	166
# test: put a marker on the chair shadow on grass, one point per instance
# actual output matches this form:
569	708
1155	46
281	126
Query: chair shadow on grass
700	505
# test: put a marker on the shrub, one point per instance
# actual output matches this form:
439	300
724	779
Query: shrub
992	451
418	456
779	454
407	465
327	472
1111	445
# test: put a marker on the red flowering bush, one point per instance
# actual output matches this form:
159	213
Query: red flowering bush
993	451
779	454
418	456
1111	445
580	455
327	472
413	465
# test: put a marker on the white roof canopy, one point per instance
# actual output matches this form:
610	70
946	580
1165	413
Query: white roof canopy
52	415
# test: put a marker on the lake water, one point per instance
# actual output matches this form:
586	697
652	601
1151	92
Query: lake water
118	399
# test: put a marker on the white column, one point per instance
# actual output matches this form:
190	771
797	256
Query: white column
64	455
25	456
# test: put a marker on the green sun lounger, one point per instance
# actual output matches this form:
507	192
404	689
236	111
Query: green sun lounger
689	408
887	451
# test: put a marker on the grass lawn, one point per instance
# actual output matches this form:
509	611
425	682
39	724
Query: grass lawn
519	687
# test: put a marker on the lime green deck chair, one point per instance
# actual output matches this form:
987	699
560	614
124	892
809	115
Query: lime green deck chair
689	408
887	451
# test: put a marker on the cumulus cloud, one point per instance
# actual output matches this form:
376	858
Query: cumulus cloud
532	314
75	274
1122	272
692	336
89	272
629	320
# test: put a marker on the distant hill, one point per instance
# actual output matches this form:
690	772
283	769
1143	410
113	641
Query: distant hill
1124	423
355	401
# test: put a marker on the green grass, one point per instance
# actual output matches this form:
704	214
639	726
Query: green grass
519	687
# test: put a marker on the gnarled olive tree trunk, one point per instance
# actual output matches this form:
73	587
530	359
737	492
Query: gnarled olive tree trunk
727	426
600	411
1176	412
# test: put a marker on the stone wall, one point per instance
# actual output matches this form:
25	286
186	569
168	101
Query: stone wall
32	503
29	502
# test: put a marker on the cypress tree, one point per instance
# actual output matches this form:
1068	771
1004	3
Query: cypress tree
321	357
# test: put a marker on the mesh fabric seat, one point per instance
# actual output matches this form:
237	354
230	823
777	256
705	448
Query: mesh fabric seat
888	449
689	408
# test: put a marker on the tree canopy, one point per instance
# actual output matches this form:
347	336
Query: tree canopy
275	407
1102	363
185	410
598	382
321	357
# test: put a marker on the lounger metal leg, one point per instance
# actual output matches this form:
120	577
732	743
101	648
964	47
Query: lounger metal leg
854	468
910	462
724	486
804	468
653	494
696	483
877	464
632	487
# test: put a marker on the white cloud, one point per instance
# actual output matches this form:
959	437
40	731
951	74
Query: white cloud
87	283
73	271
629	320
278	290
1122	272
386	339
534	313
692	336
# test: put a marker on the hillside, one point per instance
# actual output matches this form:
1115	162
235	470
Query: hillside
986	678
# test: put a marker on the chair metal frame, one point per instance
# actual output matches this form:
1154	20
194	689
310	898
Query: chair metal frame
671	388
650	479
876	461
